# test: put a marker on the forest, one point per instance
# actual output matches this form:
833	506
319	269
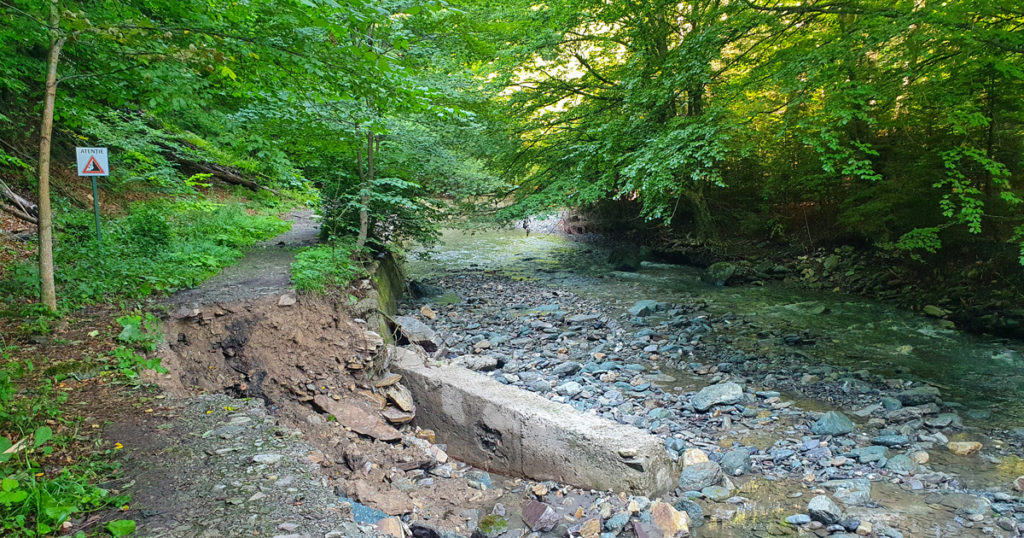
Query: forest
890	128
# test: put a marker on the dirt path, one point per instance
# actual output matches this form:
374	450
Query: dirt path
265	270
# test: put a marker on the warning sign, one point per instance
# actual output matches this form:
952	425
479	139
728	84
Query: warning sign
92	162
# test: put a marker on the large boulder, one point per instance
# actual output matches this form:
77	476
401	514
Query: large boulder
626	259
825	510
718	274
720	394
833	423
417	332
700	475
736	462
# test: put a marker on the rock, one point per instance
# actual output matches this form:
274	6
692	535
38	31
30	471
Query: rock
480	363
869	454
798	519
401	396
643	308
863	529
387	380
694	455
492	526
700	475
919	457
669	521
918	395
541	385
583	318
356	417
420	290
616	523
891	440
716	493
427	312
590	528
718	274
825	510
851	492
566	368
833	423
267	459
1018	484
693	510
390	526
539	516
646	530
626	259
963	448
395	415
901	463
286	300
736	462
968	504
722	393
417	332
570	389
420	530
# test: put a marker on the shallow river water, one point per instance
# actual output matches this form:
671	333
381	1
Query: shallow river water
985	375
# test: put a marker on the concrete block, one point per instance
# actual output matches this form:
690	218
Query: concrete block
515	432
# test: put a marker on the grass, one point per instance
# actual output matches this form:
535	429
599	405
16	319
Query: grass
161	246
319	269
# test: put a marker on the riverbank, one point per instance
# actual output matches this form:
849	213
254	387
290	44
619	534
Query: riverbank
533	320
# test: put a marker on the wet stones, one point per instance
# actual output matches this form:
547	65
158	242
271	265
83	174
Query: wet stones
918	395
722	393
668	520
539	516
700	475
833	423
644	308
964	448
718	274
736	462
824	510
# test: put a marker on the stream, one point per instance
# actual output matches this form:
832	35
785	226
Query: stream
508	292
983	374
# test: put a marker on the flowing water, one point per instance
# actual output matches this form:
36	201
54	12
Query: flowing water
985	375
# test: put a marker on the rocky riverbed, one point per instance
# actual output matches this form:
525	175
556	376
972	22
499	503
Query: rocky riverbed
767	445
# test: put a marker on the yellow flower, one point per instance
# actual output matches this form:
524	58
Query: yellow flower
118	446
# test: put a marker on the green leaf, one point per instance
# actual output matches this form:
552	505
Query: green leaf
9	484
43	434
121	527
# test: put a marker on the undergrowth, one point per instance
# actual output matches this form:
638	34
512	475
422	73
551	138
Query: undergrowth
160	247
42	490
317	269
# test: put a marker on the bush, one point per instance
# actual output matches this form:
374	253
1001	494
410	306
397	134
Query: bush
316	269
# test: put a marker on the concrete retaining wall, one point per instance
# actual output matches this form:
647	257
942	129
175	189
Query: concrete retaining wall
514	432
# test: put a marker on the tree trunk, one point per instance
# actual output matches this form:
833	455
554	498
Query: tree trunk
364	191
48	291
706	230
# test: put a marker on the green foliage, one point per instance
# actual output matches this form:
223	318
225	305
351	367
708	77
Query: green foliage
319	269
160	247
131	364
138	334
34	500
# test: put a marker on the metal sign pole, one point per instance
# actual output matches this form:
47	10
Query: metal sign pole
96	212
93	162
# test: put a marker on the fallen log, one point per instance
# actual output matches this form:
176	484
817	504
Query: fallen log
22	208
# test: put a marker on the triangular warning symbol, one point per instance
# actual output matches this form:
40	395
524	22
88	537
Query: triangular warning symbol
92	167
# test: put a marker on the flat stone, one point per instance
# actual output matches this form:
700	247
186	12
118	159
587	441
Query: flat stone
355	416
891	440
694	455
539	516
670	522
722	393
1018	484
699	476
716	493
901	463
479	363
390	526
969	504
964	448
736	462
267	459
851	491
798	519
825	510
643	308
389	379
286	300
833	423
395	415
417	332
918	395
401	396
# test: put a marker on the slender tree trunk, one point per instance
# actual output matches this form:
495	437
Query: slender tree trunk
364	191
48	293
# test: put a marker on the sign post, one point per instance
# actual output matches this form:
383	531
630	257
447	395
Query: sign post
93	162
